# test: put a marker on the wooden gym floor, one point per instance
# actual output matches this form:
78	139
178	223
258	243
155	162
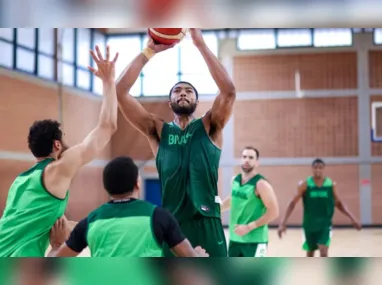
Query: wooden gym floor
345	243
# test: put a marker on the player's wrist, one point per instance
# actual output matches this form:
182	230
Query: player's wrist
252	226
148	53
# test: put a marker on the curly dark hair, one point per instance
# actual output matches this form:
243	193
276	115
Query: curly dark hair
41	136
120	176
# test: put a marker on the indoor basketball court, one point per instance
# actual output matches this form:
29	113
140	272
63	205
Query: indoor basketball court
301	94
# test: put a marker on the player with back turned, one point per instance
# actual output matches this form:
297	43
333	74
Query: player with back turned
125	226
253	205
188	149
320	198
38	197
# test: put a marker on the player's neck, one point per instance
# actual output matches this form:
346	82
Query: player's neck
319	179
247	176
39	159
183	121
125	196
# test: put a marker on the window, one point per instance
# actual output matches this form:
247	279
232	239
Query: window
164	63
66	38
83	47
136	90
6	51
256	39
204	83
100	40
6	33
158	84
25	60
128	47
46	41
97	85
46	66
26	37
66	74
294	37
332	37
83	79
191	61
378	36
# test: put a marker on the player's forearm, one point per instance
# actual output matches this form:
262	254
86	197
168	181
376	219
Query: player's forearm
288	212
130	75
109	109
269	216
218	72
345	211
226	204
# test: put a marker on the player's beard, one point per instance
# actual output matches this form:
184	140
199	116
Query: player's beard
183	110
247	170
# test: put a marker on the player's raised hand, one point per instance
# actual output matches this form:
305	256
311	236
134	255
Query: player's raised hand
201	252
158	47
281	230
105	67
197	37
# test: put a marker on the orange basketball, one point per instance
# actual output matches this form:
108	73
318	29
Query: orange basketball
167	36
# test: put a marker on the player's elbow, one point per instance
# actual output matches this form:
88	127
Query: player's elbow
109	127
231	92
274	212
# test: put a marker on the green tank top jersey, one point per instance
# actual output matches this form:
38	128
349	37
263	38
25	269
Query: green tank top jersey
247	207
29	214
188	164
319	205
123	230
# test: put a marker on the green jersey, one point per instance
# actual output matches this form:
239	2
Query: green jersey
188	164
319	204
29	214
247	207
122	230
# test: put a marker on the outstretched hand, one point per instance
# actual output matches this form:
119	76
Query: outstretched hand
158	47
197	36
106	68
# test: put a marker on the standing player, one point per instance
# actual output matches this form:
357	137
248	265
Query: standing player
38	196
253	206
319	196
187	150
126	226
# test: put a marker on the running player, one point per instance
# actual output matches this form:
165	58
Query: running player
38	196
253	206
126	226
320	198
188	149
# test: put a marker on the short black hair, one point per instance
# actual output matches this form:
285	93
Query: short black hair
41	136
120	176
184	82
318	161
254	149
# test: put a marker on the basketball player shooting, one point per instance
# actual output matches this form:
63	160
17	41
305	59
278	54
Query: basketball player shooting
320	198
188	149
38	197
